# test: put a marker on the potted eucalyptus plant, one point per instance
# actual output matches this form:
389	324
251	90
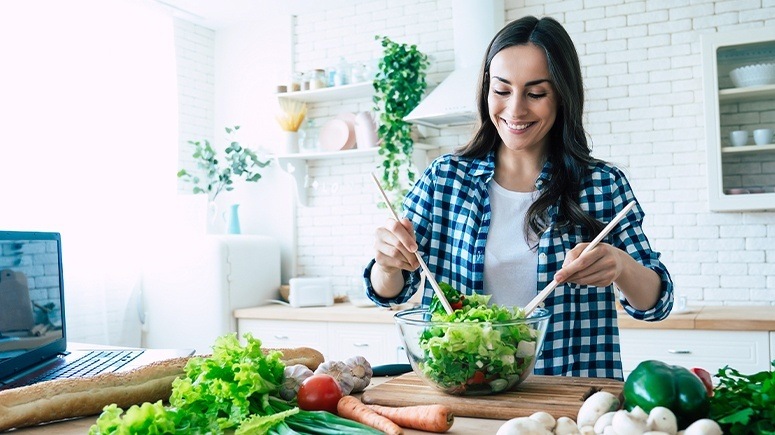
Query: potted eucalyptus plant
399	86
240	162
214	176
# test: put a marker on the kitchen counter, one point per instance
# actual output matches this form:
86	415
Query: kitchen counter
462	425
738	318
341	312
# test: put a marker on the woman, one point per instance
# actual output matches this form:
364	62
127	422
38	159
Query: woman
517	205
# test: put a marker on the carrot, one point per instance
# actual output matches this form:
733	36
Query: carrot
430	418
352	408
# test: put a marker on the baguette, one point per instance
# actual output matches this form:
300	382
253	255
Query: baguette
79	397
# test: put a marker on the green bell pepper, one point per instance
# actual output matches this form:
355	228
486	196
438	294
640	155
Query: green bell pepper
654	383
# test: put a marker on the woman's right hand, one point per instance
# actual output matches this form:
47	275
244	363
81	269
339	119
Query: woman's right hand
395	245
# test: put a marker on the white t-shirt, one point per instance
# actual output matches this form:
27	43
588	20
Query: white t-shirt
510	267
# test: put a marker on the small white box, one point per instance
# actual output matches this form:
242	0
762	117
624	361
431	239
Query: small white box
310	292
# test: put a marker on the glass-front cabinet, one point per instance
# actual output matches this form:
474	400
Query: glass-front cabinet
739	85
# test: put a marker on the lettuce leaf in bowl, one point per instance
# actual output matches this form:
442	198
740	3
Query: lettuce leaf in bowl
478	345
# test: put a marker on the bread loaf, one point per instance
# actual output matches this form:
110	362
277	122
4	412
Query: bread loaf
300	355
68	398
78	397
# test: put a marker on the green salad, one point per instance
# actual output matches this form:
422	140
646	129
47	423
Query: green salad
472	353
234	390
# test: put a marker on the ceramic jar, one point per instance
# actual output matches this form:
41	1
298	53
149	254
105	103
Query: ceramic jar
365	130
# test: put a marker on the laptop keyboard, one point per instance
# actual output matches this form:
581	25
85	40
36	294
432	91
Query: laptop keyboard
91	364
94	363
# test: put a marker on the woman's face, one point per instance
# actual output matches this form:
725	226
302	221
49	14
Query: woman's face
522	101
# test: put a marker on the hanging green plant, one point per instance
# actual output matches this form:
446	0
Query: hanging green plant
240	163
399	86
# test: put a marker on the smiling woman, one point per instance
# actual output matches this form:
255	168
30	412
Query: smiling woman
89	128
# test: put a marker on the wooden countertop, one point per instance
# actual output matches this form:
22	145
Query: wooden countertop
80	426
737	318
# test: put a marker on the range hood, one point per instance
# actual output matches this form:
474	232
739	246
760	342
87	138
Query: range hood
453	101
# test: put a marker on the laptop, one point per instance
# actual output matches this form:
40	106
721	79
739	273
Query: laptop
33	332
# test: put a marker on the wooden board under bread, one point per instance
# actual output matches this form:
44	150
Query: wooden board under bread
558	395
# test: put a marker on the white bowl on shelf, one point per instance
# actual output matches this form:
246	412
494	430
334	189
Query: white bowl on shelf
753	75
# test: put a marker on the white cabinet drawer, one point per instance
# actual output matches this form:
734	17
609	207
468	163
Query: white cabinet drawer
378	343
286	333
746	351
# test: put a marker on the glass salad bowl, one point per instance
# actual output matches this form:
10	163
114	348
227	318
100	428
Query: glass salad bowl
472	357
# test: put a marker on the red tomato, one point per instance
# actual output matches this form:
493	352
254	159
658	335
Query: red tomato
319	393
477	378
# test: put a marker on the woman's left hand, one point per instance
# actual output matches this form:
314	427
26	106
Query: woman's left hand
599	267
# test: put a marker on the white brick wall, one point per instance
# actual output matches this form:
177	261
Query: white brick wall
195	52
642	67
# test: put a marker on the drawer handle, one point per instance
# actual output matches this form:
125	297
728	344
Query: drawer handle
361	344
679	352
281	337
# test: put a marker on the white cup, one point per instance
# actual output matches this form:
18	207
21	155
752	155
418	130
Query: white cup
762	136
738	137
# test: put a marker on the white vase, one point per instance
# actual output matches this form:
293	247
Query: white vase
291	142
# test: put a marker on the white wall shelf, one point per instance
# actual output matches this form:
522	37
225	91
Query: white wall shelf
297	165
748	149
722	52
753	93
334	93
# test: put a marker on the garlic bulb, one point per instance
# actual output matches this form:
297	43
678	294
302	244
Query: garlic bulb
293	376
339	371
361	370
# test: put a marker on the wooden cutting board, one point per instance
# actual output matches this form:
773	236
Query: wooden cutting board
560	396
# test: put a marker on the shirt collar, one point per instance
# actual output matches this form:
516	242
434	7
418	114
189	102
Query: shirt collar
486	167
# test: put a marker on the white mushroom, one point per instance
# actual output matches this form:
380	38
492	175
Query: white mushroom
609	430
625	423
587	430
595	406
656	432
545	419
704	426
604	421
522	426
638	413
662	419
566	426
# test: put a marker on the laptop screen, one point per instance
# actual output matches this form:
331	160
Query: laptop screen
31	299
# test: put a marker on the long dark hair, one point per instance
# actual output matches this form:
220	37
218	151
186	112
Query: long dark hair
568	150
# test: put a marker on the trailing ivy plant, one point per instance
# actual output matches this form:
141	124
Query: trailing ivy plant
240	163
399	86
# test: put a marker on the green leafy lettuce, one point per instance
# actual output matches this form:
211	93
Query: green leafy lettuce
471	350
236	388
232	384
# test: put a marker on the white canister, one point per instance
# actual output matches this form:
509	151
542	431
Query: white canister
762	136
365	130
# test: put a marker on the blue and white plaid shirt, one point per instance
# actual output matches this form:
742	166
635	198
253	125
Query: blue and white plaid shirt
450	210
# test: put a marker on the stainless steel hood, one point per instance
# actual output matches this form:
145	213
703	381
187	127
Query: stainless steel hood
453	101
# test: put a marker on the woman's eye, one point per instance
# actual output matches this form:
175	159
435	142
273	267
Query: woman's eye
536	96
497	92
